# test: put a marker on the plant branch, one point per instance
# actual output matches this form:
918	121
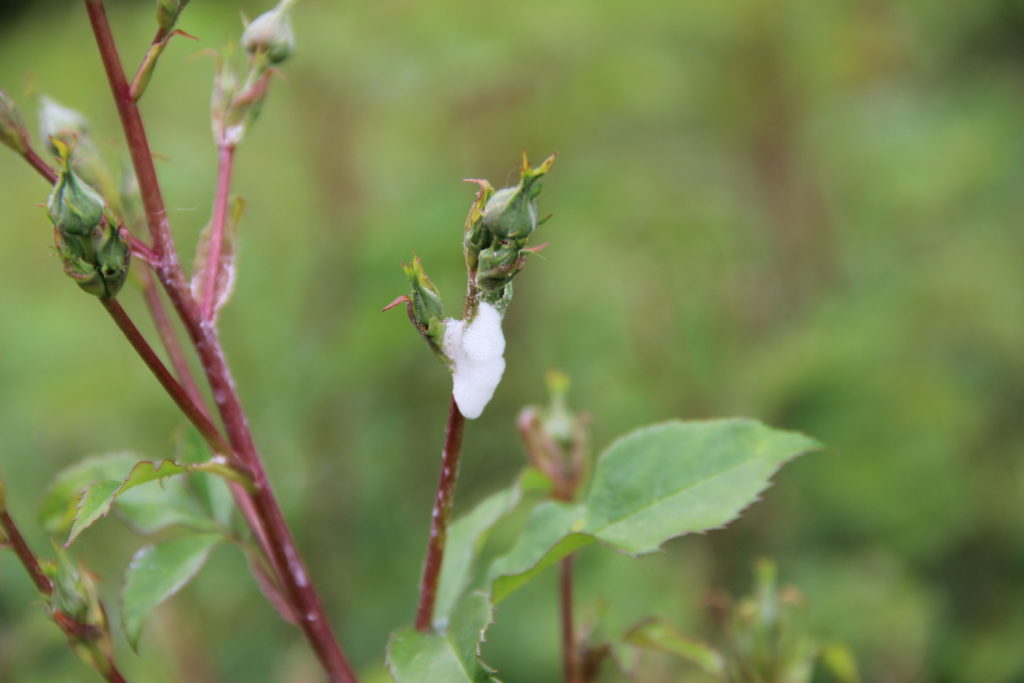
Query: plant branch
572	666
138	144
41	166
193	412
225	162
440	517
71	627
280	545
170	339
25	555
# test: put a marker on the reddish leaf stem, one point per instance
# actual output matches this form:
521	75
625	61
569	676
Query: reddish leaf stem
225	162
283	553
131	122
24	553
41	166
572	666
441	516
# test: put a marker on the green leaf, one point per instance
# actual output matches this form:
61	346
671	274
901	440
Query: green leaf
98	498
839	661
95	503
676	478
156	573
213	493
58	508
148	509
549	535
465	536
662	636
652	485
453	657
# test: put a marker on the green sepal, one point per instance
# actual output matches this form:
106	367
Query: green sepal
426	300
497	266
112	257
425	307
511	213
75	606
74	207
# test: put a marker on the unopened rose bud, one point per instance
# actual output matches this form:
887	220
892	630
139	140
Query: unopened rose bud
112	257
12	131
94	253
426	300
511	212
426	310
271	34
497	265
74	207
57	122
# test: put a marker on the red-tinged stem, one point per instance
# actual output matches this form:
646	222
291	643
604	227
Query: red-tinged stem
441	517
44	585
192	411
112	674
138	247
41	166
131	122
170	339
572	666
283	553
25	555
225	161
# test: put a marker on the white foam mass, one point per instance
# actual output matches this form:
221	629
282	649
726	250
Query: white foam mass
476	351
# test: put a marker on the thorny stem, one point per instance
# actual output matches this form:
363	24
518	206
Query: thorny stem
280	545
441	517
571	665
225	161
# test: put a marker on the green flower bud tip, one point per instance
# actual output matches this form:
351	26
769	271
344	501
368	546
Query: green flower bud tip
271	34
59	122
511	212
426	300
12	131
73	206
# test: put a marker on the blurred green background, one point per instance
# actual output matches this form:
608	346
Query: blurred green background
807	212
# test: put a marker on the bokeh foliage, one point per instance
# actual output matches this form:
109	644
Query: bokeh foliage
807	212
